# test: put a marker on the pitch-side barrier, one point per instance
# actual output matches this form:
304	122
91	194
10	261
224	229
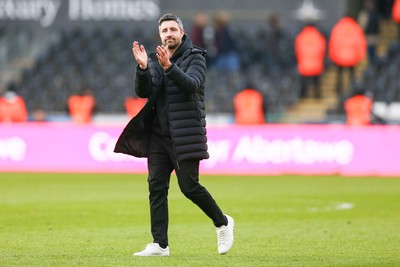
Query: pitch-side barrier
234	150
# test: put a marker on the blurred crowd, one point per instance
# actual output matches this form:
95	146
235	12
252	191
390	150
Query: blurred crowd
261	70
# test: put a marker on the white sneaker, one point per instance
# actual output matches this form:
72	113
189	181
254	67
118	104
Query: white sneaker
153	249
225	236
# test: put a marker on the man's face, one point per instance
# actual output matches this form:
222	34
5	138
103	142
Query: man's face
170	34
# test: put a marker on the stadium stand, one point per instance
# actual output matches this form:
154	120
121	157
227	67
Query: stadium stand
100	59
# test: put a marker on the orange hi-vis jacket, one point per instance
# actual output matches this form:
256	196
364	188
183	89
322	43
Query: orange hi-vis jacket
133	105
81	108
358	110
310	46
347	44
248	105
396	11
13	110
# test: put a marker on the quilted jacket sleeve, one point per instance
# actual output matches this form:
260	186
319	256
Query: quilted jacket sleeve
143	82
194	77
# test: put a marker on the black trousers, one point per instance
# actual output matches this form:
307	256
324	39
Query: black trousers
161	162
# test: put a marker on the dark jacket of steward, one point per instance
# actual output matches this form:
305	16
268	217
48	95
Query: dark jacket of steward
182	85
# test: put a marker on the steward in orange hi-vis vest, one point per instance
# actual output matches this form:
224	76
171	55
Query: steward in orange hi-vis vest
310	47
358	110
396	11
249	107
347	44
12	108
133	105
81	107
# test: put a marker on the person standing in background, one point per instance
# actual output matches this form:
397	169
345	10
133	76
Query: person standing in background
12	108
81	107
347	48
396	16
133	105
249	106
369	21
272	45
358	108
227	57
197	31
202	35
310	47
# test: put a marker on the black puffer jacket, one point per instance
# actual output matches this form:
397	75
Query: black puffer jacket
183	83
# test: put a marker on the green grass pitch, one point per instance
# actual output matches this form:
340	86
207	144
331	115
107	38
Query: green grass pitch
101	219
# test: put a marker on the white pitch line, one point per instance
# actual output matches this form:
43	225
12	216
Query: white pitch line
340	206
344	206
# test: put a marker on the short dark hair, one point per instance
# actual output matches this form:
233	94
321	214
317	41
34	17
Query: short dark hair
168	17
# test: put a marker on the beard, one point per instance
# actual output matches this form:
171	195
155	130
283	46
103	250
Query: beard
172	45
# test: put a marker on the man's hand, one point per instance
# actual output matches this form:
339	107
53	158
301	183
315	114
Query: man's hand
163	56
140	55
